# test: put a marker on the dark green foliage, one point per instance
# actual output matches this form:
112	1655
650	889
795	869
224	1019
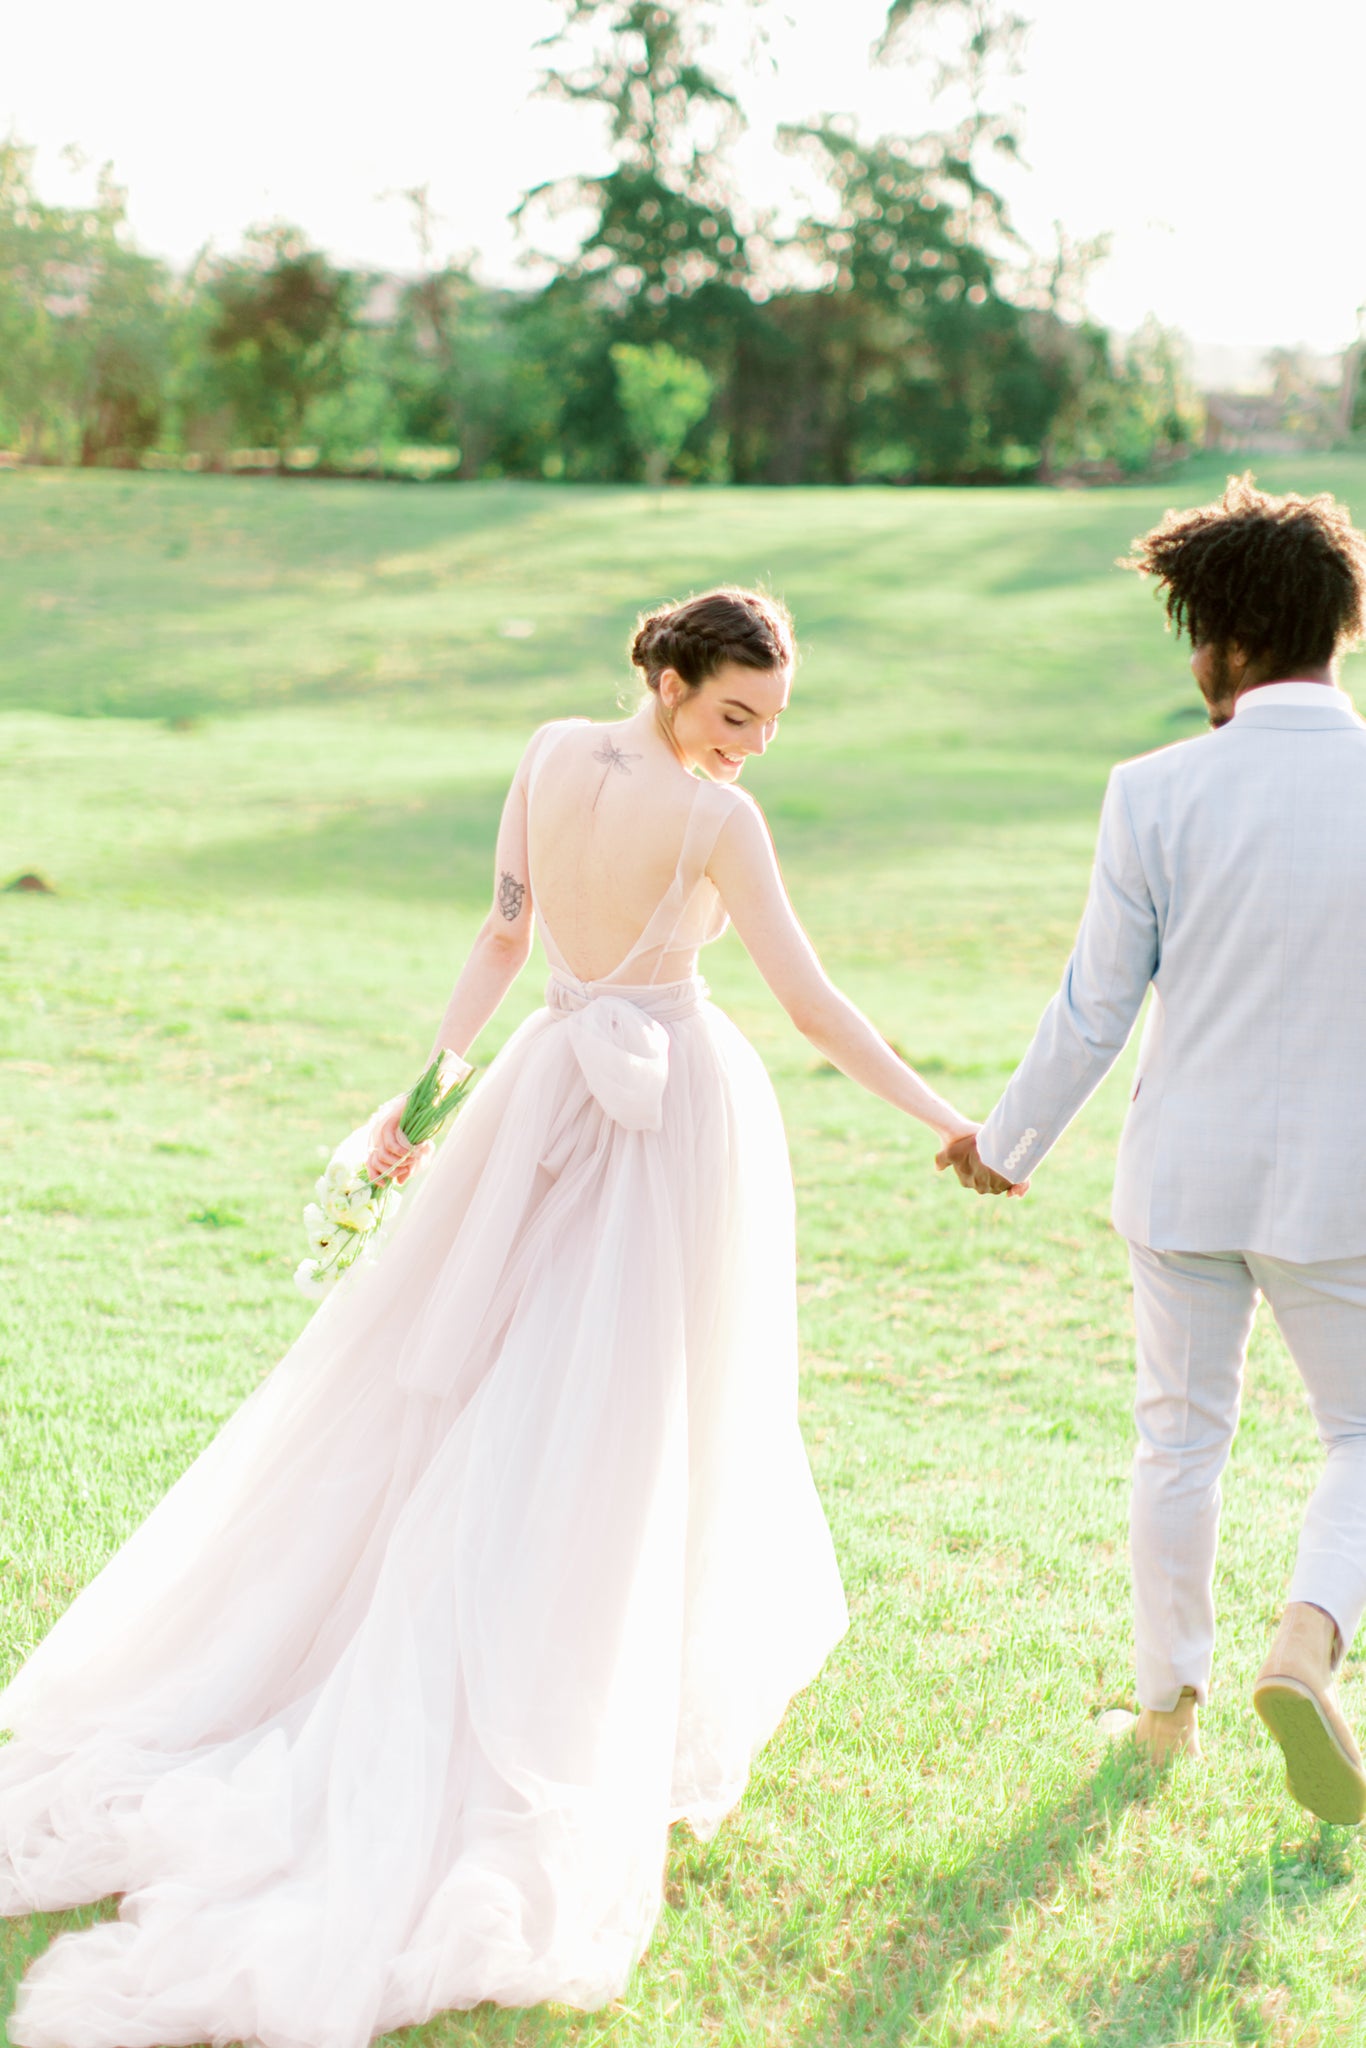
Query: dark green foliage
455	370
125	356
1121	414
274	337
896	337
664	226
85	326
906	362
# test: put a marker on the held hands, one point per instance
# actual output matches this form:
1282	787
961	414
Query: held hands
961	1154
391	1155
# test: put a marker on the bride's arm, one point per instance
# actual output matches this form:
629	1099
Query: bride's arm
503	945
499	953
744	868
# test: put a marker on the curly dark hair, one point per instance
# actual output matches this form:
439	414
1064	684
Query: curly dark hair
1282	578
700	636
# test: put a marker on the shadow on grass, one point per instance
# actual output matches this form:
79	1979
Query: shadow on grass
938	1923
1208	1975
941	1924
112	584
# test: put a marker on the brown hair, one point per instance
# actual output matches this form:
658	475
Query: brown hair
1284	578
700	636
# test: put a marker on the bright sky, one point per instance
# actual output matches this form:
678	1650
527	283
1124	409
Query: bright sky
1220	146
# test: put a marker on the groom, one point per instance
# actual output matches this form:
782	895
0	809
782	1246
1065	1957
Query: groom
1230	876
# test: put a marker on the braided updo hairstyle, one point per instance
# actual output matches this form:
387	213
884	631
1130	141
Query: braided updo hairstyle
697	638
1284	578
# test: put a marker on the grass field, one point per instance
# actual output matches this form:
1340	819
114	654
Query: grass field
256	734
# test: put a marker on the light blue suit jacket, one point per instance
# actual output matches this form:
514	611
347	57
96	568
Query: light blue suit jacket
1231	876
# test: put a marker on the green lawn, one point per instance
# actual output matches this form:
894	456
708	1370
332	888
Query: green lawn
255	734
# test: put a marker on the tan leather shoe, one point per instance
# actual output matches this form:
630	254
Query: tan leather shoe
1296	1697
1175	1732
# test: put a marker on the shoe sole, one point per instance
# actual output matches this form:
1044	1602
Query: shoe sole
1318	1772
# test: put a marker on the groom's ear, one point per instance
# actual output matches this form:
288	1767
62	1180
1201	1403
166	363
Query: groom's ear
1242	668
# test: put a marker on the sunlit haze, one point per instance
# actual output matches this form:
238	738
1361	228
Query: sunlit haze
1220	150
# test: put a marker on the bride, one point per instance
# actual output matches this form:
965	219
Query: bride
515	1558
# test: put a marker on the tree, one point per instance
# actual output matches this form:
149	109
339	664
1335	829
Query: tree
910	362
39	248
664	256
663	395
662	223
1309	408
124	353
85	324
973	44
274	334
899	334
358	421
1120	411
454	364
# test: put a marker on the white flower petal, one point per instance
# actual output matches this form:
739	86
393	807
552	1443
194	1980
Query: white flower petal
309	1281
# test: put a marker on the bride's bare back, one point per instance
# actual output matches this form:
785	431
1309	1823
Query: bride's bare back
618	837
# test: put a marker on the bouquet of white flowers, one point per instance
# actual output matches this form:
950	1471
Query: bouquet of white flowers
350	1213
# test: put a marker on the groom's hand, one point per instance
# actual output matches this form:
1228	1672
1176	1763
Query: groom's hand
962	1155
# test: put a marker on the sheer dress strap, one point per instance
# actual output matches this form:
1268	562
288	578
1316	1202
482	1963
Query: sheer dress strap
707	815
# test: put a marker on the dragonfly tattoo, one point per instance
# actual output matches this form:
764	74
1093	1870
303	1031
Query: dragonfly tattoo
615	758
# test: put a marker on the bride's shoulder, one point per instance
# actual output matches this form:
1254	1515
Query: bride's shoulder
554	725
730	801
738	821
544	738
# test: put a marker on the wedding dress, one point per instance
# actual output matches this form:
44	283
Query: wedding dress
513	1560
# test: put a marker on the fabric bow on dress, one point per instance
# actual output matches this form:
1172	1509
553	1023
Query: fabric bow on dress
624	1056
620	1043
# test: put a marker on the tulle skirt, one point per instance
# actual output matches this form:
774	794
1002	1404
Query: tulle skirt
513	1560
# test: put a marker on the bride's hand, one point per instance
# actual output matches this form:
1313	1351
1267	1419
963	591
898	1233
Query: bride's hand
391	1155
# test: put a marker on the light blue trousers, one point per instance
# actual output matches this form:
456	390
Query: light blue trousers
1193	1313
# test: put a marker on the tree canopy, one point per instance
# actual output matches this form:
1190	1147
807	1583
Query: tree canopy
899	333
